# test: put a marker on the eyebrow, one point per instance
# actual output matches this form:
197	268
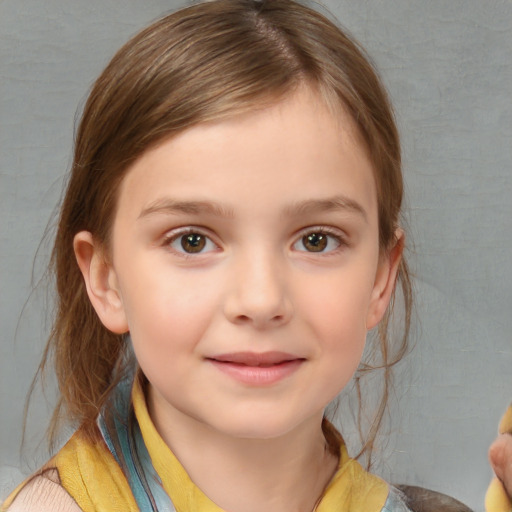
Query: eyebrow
172	207
168	206
335	203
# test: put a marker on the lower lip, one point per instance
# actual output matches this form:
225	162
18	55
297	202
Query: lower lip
258	375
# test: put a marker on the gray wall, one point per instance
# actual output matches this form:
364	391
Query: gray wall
448	65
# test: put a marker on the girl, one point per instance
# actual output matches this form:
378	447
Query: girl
229	235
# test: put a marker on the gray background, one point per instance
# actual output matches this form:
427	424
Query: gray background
448	66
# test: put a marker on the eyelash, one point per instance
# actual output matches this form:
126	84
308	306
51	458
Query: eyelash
321	232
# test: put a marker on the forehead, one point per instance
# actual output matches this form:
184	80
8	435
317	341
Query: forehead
294	150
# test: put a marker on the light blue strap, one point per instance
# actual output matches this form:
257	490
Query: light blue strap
120	430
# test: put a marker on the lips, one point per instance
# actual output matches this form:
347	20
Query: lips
257	369
255	359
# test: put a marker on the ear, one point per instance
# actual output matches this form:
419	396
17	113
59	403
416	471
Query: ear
385	280
101	282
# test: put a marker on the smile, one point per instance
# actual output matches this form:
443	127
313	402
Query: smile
257	369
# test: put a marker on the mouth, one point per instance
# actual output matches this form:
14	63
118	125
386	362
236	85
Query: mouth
257	369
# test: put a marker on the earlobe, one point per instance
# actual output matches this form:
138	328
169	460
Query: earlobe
101	282
385	281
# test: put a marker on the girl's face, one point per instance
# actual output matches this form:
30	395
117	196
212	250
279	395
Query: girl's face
245	265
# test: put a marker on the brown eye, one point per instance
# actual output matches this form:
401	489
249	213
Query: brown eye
193	242
319	241
189	242
315	242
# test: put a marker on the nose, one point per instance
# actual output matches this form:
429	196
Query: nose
258	293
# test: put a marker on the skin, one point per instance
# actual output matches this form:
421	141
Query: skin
500	456
253	186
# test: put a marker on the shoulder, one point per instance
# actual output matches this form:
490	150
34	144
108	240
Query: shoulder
43	493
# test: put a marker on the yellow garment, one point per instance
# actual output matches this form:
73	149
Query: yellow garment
496	499
90	474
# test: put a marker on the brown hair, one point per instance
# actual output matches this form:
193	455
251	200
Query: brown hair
203	63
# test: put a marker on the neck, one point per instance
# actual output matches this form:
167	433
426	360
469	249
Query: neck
287	474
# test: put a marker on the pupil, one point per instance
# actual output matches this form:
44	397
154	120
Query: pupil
193	242
315	242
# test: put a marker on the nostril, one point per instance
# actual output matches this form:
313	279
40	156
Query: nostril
244	319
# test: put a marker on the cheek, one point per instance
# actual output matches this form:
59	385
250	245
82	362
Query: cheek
167	311
343	346
337	318
344	338
340	305
343	320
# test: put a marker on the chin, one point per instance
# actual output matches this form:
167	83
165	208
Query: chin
259	427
